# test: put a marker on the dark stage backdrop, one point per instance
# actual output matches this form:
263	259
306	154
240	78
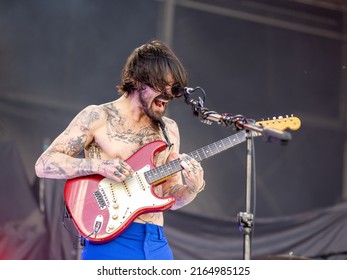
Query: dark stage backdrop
57	57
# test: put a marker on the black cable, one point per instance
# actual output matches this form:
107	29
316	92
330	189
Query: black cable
66	215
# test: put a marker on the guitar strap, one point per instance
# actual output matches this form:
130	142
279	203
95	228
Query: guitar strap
162	125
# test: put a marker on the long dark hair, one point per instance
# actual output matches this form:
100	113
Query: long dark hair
152	64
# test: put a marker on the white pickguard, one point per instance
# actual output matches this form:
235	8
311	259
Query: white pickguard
125	198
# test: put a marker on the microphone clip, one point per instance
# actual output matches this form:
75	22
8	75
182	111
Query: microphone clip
197	105
238	121
189	91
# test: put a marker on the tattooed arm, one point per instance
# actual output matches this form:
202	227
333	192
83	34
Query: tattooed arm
185	185
184	193
60	160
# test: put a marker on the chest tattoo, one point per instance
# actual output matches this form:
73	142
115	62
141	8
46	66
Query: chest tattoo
118	129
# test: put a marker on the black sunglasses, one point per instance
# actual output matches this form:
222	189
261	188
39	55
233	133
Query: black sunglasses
177	90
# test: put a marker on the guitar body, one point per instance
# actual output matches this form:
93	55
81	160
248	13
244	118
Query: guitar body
101	208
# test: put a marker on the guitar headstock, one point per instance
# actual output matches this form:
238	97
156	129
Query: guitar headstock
281	123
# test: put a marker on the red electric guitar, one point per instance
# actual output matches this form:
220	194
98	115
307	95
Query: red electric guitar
101	208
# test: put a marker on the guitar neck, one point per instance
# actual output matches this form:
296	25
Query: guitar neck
166	170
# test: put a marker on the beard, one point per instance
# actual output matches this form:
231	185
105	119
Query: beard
147	106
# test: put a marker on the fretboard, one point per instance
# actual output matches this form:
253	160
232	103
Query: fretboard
159	173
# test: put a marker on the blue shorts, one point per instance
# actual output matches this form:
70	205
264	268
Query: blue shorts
137	242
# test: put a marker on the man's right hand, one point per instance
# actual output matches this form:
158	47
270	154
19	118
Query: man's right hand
115	169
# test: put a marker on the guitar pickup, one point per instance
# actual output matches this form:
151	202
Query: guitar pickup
100	200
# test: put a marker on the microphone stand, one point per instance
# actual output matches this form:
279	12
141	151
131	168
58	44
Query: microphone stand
239	122
245	219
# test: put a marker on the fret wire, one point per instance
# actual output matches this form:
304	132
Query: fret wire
203	149
217	150
209	149
220	146
195	155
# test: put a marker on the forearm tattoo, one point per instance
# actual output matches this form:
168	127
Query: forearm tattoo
76	145
182	194
60	161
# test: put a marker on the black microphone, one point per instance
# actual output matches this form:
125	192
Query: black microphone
180	91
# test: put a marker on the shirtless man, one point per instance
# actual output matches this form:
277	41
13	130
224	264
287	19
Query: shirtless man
110	133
